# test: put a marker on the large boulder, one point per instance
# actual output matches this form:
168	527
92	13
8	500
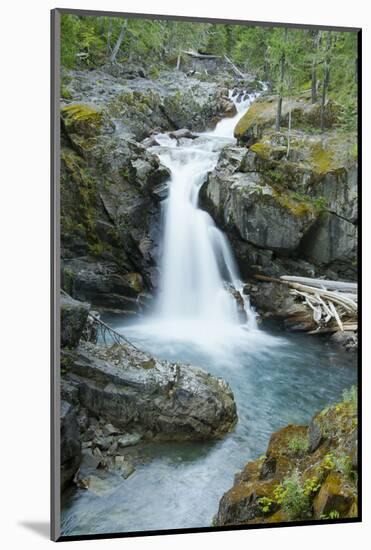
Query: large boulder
307	473
243	200
288	208
103	284
138	393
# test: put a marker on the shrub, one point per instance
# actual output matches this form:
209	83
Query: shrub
350	396
343	465
298	445
333	514
293	497
266	504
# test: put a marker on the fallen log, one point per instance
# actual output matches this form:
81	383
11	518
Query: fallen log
332	305
198	55
321	283
236	70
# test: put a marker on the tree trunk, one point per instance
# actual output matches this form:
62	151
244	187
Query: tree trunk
117	47
178	62
326	80
288	135
316	39
109	34
282	77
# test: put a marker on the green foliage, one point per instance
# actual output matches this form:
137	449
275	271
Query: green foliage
343	465
326	465
311	486
333	514
266	504
298	445
90	40
350	396
294	497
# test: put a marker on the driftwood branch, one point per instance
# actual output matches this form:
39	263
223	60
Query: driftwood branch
333	305
197	55
236	69
322	283
103	329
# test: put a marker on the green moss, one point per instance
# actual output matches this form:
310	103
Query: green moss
289	202
293	497
260	112
298	445
261	149
65	93
81	119
321	159
150	364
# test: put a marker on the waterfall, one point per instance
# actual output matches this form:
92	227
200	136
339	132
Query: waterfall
197	309
197	260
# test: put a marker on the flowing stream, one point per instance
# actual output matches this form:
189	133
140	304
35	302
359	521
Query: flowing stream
277	378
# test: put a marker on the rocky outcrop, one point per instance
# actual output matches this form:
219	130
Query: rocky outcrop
112	185
309	472
138	393
288	208
138	105
115	397
262	115
74	315
109	212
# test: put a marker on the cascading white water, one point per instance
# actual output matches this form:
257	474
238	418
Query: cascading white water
196	255
195	304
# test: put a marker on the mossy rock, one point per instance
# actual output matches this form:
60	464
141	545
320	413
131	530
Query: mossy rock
81	119
262	115
335	495
135	281
259	116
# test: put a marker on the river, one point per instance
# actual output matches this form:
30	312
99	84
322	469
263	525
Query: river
277	378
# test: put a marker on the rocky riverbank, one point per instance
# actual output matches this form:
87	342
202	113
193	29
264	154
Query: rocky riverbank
112	185
308	472
288	201
117	396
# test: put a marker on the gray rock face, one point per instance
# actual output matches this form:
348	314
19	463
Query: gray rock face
73	319
110	218
242	201
138	104
140	394
70	443
331	239
282	211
